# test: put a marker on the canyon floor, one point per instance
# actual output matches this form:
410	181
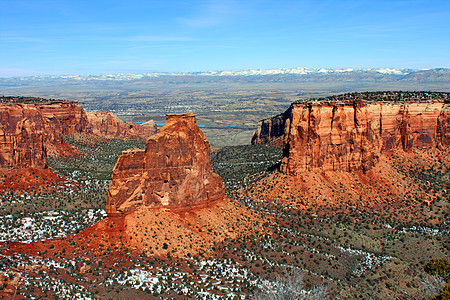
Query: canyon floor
350	236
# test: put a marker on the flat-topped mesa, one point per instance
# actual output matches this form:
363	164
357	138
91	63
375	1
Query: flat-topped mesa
351	135
173	171
32	128
55	118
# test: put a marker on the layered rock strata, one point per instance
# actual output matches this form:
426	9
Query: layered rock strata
31	131
166	200
174	170
349	136
28	132
108	125
24	148
270	129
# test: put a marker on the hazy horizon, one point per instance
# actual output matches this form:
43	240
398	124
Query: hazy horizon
385	70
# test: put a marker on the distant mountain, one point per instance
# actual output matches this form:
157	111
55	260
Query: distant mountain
429	75
322	74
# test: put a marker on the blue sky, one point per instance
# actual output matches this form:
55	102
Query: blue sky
135	36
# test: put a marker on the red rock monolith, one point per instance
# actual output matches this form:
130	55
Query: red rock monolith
173	171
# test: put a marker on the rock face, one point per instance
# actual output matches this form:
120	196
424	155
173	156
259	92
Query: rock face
28	132
31	131
270	129
24	148
108	125
349	136
174	170
166	200
443	128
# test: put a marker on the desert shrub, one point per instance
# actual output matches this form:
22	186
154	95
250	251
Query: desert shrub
439	267
290	287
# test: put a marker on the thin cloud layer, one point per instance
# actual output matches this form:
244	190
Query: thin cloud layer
222	35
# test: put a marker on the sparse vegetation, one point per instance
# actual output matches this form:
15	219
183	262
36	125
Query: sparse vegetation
27	100
395	246
385	96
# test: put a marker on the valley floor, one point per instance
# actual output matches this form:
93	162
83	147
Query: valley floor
366	236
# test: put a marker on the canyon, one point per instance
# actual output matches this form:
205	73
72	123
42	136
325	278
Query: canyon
29	132
165	200
350	190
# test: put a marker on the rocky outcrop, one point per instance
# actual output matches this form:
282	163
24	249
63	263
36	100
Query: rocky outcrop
28	132
413	125
23	149
31	131
166	200
174	170
443	128
349	136
108	125
270	129
64	117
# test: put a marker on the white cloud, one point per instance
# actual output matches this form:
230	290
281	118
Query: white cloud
21	39
151	38
212	13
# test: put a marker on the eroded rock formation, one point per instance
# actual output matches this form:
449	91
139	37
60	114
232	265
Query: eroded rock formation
270	129
108	125
24	148
174	170
349	136
28	132
166	200
31	131
443	128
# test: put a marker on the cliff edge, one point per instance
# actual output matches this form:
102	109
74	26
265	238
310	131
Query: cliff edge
351	135
29	132
31	129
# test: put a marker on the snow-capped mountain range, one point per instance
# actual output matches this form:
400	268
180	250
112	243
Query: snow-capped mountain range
250	72
313	72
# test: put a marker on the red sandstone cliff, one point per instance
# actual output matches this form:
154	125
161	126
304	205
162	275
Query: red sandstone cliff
108	125
163	201
28	132
350	136
31	131
174	170
24	148
270	129
443	128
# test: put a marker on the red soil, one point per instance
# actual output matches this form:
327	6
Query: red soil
27	180
384	190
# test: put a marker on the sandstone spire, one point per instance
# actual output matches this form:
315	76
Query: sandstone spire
173	171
